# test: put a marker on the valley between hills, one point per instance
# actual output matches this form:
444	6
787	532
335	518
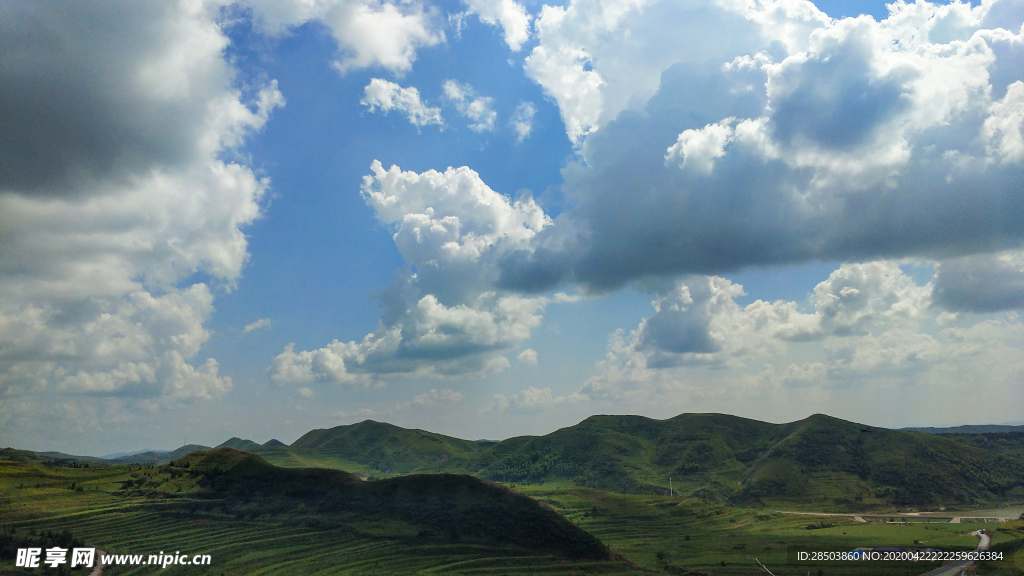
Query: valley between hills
695	494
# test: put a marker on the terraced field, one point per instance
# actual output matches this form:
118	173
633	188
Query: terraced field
674	535
241	547
91	504
658	534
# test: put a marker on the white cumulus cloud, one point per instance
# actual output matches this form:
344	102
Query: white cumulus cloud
867	322
368	33
598	58
509	14
444	316
121	200
698	149
776	135
386	96
528	357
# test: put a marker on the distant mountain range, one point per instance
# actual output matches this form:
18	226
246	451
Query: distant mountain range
971	429
711	456
248	445
132	453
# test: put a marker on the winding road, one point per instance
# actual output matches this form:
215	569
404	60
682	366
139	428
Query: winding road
956	568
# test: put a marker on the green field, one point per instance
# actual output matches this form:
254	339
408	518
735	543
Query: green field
137	510
677	535
146	510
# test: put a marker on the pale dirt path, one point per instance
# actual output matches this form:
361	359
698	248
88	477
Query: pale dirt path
862	516
98	569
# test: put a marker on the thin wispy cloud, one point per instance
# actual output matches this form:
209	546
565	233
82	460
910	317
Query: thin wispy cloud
477	109
522	120
257	325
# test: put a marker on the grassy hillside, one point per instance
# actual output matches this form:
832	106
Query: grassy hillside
389	449
690	536
443	507
1006	443
256	518
157	457
240	444
972	429
218	504
876	464
815	461
711	456
634	454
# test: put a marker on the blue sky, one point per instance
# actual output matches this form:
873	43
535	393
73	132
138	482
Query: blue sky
490	218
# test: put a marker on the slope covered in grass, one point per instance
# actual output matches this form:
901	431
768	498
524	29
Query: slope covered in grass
711	456
253	518
240	444
388	448
157	457
1006	443
441	507
903	468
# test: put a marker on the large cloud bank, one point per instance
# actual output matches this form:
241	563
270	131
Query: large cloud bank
775	135
121	183
115	191
868	331
713	136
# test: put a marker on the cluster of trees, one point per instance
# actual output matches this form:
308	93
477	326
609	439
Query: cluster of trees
11	540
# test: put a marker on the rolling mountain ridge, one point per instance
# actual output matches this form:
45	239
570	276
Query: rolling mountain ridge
715	457
712	456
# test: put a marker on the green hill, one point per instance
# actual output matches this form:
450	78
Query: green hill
1006	443
631	453
972	429
240	444
440	507
714	457
156	457
851	463
45	458
710	456
254	518
389	449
